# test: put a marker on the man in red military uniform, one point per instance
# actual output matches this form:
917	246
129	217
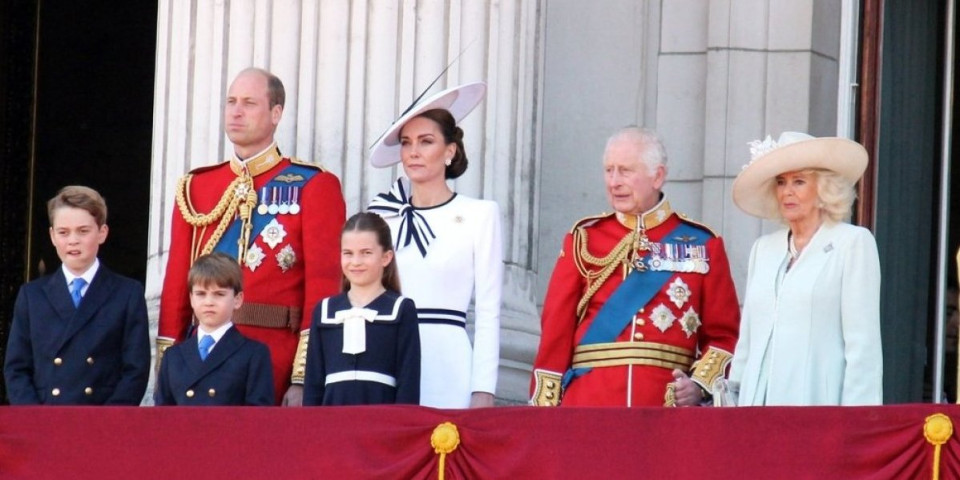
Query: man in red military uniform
641	309
279	217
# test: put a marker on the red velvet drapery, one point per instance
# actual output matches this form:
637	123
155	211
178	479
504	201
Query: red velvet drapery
515	442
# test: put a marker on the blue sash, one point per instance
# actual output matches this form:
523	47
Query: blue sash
228	242
633	293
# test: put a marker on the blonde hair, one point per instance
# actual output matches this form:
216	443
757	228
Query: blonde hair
835	195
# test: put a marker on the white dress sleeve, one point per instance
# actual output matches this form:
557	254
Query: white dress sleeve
488	281
860	322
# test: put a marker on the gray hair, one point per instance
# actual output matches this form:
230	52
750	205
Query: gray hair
648	143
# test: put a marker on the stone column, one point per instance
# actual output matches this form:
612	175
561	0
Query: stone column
349	69
771	66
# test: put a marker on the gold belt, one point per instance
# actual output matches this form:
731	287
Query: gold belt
632	353
268	316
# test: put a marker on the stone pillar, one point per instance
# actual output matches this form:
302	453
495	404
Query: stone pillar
771	66
349	69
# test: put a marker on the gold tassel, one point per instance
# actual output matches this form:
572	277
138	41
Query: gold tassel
445	439
937	430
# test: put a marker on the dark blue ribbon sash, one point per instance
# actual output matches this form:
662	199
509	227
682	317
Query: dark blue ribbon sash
228	242
633	293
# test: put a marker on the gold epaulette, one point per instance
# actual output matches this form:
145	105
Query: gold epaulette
305	163
300	359
547	392
587	221
711	366
162	345
691	221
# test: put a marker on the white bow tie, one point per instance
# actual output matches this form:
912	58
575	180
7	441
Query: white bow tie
354	327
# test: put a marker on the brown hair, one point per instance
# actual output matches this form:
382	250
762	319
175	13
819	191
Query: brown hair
451	134
218	269
78	196
371	222
275	91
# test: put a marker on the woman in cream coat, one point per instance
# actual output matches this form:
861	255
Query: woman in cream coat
810	331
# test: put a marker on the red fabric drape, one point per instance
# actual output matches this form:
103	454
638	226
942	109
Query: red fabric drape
517	442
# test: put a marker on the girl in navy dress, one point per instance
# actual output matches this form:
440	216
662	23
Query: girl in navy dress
364	345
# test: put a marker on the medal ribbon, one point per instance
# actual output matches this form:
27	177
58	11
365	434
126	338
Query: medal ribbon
633	293
232	235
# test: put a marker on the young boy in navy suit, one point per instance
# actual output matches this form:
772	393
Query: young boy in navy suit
80	335
217	365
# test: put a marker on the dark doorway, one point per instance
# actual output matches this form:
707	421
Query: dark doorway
77	88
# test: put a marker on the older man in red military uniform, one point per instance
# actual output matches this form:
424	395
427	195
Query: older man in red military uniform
279	217
641	309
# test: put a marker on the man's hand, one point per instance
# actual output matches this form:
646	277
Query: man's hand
686	392
481	399
293	397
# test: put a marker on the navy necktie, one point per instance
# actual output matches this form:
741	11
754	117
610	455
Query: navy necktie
206	343
76	289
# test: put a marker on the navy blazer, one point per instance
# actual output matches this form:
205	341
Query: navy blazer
236	372
94	354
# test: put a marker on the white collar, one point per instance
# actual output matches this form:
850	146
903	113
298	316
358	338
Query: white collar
86	276
217	333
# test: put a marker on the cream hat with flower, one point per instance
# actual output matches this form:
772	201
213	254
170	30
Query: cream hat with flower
793	151
459	101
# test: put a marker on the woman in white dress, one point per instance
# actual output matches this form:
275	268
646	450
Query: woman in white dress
810	329
448	249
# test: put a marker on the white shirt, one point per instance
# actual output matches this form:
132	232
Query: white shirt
86	276
217	334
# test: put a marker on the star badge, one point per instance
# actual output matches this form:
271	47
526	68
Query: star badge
690	322
679	292
254	257
662	317
273	233
286	258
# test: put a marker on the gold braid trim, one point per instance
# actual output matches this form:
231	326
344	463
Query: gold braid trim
607	264
240	194
300	359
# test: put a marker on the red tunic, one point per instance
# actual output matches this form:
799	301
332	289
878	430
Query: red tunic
711	296
313	234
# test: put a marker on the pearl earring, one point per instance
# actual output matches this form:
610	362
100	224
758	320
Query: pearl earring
448	161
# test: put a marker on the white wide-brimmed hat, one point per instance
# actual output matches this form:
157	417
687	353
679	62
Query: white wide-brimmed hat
459	101
793	151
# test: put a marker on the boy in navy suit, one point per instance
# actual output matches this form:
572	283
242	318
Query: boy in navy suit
218	365
79	336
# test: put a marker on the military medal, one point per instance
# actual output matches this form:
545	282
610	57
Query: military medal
254	257
273	233
679	292
286	258
274	208
690	322
294	201
285	202
262	208
662	317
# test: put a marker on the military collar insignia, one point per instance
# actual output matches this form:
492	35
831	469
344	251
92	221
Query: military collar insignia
259	163
651	218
